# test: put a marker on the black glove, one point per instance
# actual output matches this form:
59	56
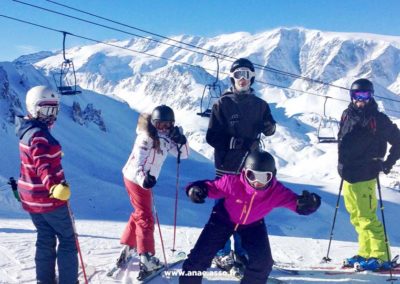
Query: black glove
386	167
14	188
177	136
268	128
308	203
197	192
149	181
239	143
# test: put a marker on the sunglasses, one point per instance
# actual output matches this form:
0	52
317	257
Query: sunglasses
361	95
163	125
256	176
242	73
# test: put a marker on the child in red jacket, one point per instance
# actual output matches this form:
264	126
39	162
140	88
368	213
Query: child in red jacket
43	190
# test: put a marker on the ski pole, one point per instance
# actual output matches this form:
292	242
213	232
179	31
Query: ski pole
326	258
178	161
384	228
159	228
77	242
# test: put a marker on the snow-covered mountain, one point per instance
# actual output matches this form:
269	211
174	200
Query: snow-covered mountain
97	128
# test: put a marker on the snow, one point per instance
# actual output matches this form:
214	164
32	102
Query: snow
120	84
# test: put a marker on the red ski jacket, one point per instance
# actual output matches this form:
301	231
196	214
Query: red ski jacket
40	167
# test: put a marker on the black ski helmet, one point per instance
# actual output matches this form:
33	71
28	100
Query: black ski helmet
242	63
260	161
362	85
162	113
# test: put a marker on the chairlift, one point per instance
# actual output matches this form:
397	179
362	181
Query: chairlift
211	93
67	78
328	128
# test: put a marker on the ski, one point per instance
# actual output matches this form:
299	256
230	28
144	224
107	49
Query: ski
118	267
158	272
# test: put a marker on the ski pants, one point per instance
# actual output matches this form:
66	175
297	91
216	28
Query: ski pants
237	242
214	235
139	232
361	203
51	226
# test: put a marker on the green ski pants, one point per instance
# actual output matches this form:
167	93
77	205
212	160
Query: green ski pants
361	203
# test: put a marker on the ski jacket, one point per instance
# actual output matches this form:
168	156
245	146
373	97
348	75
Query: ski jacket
363	137
243	116
40	168
246	205
146	156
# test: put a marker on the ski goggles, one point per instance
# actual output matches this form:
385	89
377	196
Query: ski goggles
260	177
361	95
163	125
47	109
242	73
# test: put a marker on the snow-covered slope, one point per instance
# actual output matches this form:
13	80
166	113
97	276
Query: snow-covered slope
97	129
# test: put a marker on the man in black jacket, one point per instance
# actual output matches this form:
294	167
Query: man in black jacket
237	120
363	136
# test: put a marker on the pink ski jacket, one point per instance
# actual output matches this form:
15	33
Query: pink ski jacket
246	205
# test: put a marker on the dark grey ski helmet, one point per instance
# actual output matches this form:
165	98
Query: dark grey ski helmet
162	113
260	161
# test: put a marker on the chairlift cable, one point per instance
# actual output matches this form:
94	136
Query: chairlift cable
168	59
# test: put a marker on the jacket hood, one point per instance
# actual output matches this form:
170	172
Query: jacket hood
22	125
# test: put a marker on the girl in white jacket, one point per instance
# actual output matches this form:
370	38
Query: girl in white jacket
156	137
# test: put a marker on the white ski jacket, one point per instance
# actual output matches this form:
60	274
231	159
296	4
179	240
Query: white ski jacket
144	157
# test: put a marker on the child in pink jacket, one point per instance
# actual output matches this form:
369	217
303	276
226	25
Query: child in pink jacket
248	198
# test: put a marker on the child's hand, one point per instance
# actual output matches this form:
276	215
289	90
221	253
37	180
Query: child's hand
308	203
197	192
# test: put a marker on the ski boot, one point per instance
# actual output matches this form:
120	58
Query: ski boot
126	253
373	264
148	264
224	262
349	262
239	265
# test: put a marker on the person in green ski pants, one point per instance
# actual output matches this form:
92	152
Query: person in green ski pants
363	137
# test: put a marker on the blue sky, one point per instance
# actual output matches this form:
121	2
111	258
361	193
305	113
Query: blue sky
192	17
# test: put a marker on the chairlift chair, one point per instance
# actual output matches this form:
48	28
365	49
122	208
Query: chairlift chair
67	78
328	128
211	93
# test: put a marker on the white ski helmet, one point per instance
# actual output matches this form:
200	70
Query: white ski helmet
42	102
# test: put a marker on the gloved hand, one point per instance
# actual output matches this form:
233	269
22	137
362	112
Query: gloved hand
308	203
60	191
149	180
386	167
197	192
177	136
14	188
268	128
239	143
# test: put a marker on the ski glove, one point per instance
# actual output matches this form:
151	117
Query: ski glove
60	191
149	181
307	203
239	143
268	128
386	167
197	192
177	136
14	188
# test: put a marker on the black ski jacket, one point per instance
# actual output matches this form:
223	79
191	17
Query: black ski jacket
240	116
363	137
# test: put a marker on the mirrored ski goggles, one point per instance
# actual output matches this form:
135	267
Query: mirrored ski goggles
242	73
163	125
256	176
361	95
48	109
